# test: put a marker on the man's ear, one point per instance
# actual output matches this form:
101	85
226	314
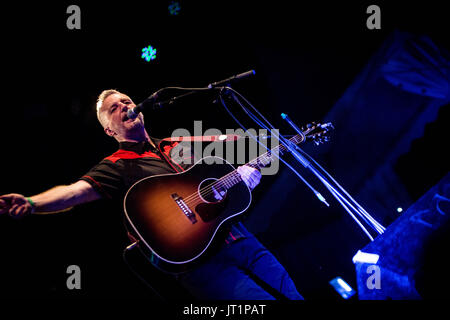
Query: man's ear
109	132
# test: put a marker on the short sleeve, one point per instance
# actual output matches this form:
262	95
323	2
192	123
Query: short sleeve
106	179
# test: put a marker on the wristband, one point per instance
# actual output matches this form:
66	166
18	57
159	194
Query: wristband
33	206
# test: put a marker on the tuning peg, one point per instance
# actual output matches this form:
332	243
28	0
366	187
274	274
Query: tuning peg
328	126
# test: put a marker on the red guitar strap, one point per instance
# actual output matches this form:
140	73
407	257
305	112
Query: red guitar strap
222	137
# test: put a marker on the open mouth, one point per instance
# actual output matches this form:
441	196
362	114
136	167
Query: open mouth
125	117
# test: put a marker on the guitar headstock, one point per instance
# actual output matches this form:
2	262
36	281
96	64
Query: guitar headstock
317	132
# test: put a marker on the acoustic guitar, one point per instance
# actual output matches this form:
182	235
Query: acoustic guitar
176	217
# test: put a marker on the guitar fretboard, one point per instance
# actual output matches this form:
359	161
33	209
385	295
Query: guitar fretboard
262	161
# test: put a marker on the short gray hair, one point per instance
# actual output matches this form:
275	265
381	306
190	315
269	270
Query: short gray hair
102	96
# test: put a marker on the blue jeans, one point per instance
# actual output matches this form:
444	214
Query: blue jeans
235	273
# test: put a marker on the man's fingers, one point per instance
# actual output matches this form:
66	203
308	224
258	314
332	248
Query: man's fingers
3	204
20	211
13	204
7	197
257	174
254	177
250	176
13	208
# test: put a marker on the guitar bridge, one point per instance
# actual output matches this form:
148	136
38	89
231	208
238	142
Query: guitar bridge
184	207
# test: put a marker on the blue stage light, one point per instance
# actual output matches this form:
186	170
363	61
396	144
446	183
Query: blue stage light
174	8
342	287
148	53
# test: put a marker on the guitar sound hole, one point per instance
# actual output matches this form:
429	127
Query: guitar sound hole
211	192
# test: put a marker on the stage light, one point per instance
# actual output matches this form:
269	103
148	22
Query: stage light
399	209
174	8
365	257
148	53
342	287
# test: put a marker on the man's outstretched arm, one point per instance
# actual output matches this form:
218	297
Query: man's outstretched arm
56	199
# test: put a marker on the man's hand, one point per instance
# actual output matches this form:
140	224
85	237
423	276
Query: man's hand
250	176
16	205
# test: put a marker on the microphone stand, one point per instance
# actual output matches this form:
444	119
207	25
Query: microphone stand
228	91
349	204
214	85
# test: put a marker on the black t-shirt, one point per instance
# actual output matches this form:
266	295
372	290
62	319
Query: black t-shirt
114	175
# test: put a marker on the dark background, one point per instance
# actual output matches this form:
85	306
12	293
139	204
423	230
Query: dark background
305	57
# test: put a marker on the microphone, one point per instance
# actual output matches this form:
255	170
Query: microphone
232	78
134	112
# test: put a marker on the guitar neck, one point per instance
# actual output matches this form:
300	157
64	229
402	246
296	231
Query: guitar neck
262	161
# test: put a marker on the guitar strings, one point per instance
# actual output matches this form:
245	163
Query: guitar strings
193	198
223	181
209	189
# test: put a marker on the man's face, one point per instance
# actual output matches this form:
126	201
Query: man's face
114	109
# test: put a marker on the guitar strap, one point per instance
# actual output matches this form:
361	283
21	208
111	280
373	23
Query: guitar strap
222	137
